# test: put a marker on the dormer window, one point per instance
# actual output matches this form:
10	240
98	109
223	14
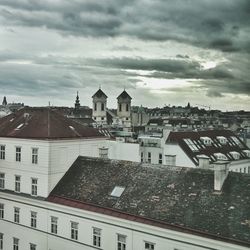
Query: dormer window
220	156
206	140
222	140
235	155
247	152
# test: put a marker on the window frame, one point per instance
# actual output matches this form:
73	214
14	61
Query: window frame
1	241
2	180
18	183
97	232
15	243
53	224
18	154
1	211
74	230
34	155
33	219
2	152
16	214
121	245
34	186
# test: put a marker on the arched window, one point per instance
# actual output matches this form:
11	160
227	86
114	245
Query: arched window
102	106
127	107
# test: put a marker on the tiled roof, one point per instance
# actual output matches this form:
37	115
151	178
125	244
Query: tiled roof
181	199
193	144
43	123
124	95
99	93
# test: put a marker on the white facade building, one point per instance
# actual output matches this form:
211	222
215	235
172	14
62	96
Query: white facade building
98	203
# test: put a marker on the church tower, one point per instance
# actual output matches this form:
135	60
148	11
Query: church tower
99	113
77	104
4	103
124	108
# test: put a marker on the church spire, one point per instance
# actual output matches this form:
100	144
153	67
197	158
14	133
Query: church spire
77	102
4	103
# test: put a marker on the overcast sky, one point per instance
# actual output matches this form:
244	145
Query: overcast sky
162	51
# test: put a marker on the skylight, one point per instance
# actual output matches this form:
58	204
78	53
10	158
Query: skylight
19	126
117	191
191	145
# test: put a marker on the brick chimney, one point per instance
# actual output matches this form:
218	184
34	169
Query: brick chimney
221	169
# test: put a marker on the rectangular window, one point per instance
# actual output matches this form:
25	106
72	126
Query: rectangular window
95	106
127	107
17	183
97	237
33	217
16	214
74	230
120	107
149	157
34	155
1	210
141	156
15	244
33	186
102	106
32	246
121	242
18	153
54	224
2	152
1	241
160	158
2	180
149	246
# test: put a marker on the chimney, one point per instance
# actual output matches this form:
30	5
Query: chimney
203	161
103	152
220	174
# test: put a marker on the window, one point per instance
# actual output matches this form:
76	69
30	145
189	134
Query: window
95	106
127	107
120	107
102	106
17	183
16	214
102	118
54	225
15	243
2	152
149	157
34	155
32	246
1	210
160	158
191	145
2	180
121	242
97	237
1	241
33	216
33	186
74	230
18	153
149	246
141	156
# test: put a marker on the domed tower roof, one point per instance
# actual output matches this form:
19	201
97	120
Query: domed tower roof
124	95
99	93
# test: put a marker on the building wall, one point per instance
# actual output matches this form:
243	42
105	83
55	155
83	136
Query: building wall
99	115
136	233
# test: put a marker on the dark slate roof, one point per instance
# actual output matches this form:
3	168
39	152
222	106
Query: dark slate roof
43	123
215	147
181	199
157	121
99	93
124	95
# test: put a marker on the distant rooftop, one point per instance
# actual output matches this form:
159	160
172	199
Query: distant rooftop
181	199
43	123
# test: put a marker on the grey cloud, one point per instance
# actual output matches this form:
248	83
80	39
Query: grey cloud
201	23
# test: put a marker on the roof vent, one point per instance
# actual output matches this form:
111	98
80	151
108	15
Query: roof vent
117	191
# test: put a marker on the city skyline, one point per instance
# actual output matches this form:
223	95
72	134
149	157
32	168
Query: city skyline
161	52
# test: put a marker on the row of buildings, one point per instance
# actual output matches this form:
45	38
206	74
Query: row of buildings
65	185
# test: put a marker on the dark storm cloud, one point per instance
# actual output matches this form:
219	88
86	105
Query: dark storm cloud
221	25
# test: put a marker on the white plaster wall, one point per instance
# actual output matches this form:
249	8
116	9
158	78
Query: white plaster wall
155	151
242	166
137	233
181	158
123	151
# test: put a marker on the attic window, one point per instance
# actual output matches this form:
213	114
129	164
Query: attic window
206	140
222	140
247	152
236	141
191	145
117	191
12	119
220	156
19	126
235	155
